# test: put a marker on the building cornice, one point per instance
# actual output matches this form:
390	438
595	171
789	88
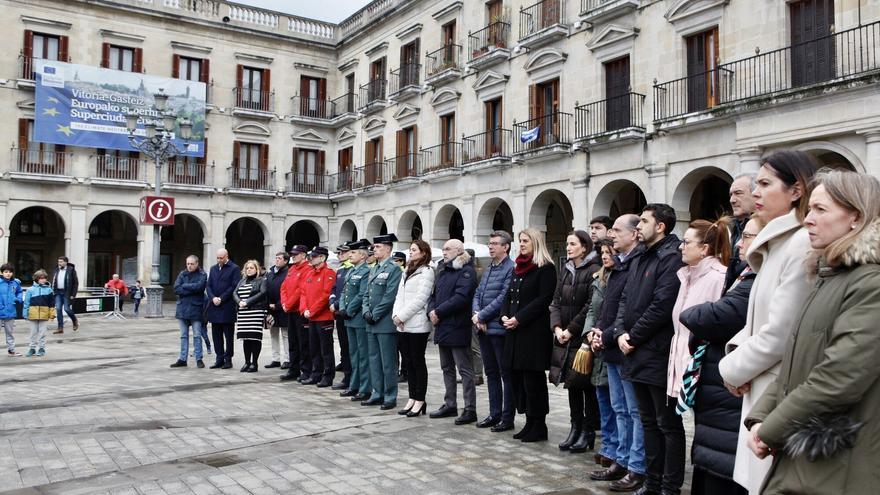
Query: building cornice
248	57
450	9
179	45
131	38
26	19
413	30
377	49
311	68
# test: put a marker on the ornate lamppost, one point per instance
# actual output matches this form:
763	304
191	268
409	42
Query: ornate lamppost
157	144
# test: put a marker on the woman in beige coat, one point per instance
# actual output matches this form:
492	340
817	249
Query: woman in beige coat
777	255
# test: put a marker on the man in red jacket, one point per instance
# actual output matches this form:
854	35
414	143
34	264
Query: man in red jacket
297	329
314	304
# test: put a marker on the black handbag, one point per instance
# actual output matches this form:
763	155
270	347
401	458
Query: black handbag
558	362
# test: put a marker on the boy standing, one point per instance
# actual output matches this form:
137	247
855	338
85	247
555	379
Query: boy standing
10	295
39	308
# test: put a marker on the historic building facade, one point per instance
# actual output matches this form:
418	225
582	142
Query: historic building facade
408	115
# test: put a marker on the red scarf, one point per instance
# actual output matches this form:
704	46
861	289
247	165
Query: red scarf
524	264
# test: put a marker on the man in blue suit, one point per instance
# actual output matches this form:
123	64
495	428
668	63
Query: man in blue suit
221	310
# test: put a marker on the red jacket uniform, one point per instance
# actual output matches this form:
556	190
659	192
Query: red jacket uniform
291	288
317	285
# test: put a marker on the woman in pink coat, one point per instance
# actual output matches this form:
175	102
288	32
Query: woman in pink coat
705	249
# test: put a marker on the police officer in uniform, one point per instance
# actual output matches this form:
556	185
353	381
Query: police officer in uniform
343	251
351	310
378	302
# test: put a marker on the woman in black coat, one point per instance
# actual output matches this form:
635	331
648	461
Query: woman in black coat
528	344
716	411
567	314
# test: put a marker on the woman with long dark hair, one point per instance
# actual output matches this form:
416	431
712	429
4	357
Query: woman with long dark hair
412	322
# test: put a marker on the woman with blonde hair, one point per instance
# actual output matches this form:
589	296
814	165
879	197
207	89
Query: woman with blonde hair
818	419
528	343
251	298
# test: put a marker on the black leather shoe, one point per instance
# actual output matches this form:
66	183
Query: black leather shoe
488	422
273	364
525	429
325	383
586	440
444	412
537	433
573	435
253	368
631	482
373	402
502	427
178	364
215	366
359	397
466	418
388	405
419	412
289	376
227	365
340	386
310	381
613	473
285	365
347	393
246	367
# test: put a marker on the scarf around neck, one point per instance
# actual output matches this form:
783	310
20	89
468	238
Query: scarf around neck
524	264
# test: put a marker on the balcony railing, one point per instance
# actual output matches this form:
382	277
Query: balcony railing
402	166
41	162
406	76
485	145
549	130
373	174
188	173
308	183
313	108
838	56
611	114
447	57
495	35
121	168
542	15
346	103
254	99
255	179
373	91
343	181
27	66
440	157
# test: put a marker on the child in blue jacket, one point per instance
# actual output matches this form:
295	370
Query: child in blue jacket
39	309
10	295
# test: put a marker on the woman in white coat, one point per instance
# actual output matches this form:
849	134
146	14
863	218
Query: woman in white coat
778	255
412	322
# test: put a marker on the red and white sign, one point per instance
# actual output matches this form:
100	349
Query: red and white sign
157	210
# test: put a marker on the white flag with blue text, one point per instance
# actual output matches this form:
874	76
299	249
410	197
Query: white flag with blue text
530	135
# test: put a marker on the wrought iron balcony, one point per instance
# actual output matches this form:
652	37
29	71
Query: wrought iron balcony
344	104
41	162
373	94
121	168
489	45
254	99
405	80
443	156
609	115
402	167
313	108
602	10
307	183
542	23
550	130
486	145
186	172
251	179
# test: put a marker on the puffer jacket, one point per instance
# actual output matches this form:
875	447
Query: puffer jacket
189	287
10	295
568	310
453	293
608	313
490	294
412	300
39	303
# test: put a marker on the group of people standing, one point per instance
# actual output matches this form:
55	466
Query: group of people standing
761	324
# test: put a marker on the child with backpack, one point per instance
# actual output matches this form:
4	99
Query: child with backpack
10	296
39	309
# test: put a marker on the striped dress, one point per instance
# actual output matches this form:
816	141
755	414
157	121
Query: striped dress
250	321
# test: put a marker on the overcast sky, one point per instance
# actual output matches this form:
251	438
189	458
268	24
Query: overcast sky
325	10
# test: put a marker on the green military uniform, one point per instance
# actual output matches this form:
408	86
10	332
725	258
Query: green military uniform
381	333
351	302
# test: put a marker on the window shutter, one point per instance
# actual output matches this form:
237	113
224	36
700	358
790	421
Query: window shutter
403	60
175	66
266	85
64	48
322	89
239	87
205	74
105	55
415	131
319	168
23	134
28	43
304	88
555	89
236	152
401	142
369	152
264	157
533	102
204	159
415	59
138	64
295	164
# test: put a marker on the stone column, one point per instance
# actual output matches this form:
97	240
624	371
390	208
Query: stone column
277	229
872	151
145	262
580	207
218	233
7	231
467	215
749	160
656	182
79	243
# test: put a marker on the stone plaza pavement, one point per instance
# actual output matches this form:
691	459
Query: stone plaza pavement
103	413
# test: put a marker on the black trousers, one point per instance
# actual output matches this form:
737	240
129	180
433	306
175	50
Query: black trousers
321	350
344	357
706	483
664	439
584	405
293	323
404	359
223	335
302	339
530	392
252	350
413	345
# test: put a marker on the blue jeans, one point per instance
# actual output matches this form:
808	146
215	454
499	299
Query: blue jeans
198	329
62	301
631	445
497	377
608	420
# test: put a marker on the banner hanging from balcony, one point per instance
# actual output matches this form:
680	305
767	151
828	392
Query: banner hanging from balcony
81	105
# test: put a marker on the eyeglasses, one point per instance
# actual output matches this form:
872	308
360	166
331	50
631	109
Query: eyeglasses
685	242
746	235
495	243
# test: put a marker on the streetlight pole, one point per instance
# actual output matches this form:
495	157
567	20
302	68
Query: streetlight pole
157	144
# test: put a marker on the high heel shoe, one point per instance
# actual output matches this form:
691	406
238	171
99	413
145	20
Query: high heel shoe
420	411
406	410
586	441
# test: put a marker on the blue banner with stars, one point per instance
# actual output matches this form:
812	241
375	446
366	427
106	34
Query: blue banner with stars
80	105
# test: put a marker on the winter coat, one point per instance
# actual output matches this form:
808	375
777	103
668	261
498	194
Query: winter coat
699	284
71	281
608	313
599	376
336	295
10	295
258	298
222	283
410	305
717	412
736	266
353	292
274	278
451	301
39	303
119	285
529	345
189	287
645	311
382	284
568	310
754	353
828	383
490	295
317	285
291	288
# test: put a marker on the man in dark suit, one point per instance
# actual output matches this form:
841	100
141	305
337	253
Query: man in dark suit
221	310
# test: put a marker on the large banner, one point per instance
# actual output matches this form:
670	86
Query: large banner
81	105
